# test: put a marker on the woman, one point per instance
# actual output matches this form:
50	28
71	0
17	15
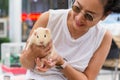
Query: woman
81	43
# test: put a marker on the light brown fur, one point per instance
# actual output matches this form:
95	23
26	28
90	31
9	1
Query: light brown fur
40	36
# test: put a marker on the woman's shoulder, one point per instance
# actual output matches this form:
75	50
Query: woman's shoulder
57	16
51	15
108	35
42	20
58	11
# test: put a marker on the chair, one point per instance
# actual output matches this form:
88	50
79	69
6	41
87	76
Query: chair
112	62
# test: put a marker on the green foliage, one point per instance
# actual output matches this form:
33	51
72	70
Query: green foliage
2	40
4	6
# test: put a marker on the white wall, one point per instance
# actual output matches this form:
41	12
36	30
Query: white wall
15	10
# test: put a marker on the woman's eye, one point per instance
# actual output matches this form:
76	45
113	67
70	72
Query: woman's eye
88	17
76	9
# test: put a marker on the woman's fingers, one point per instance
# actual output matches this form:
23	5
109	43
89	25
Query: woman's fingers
41	50
38	62
41	69
43	64
51	62
47	63
40	65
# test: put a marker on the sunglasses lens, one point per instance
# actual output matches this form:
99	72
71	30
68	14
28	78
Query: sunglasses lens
89	17
76	9
86	15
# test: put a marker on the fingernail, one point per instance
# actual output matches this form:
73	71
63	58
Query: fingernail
50	59
52	64
37	59
37	67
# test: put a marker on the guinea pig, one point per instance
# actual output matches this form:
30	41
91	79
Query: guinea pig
40	36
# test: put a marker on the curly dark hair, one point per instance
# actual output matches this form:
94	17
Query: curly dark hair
111	5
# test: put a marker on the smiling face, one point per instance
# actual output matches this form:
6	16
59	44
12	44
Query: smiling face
86	13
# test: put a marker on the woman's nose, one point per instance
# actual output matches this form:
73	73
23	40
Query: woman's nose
80	16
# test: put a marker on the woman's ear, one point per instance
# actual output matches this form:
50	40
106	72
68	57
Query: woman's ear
105	15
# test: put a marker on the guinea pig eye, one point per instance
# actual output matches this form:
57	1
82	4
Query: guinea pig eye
44	35
37	36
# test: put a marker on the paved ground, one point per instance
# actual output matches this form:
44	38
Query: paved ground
104	75
108	75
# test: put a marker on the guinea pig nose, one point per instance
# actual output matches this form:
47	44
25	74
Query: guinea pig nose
41	42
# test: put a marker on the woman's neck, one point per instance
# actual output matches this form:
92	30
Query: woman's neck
74	33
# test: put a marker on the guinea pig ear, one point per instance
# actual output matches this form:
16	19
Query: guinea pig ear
35	33
47	31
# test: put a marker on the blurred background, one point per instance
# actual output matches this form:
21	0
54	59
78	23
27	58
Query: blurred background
17	17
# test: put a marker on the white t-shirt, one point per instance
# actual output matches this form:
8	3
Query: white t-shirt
78	52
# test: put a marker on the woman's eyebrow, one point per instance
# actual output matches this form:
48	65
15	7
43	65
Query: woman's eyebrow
79	4
86	10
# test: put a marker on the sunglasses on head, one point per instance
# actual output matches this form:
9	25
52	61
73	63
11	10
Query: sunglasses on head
87	16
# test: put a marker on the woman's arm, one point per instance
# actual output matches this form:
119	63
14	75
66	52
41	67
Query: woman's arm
42	21
27	56
95	63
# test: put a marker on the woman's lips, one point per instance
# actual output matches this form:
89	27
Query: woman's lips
79	24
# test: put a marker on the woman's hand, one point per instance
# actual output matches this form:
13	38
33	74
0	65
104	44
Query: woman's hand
39	67
27	57
40	51
48	63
